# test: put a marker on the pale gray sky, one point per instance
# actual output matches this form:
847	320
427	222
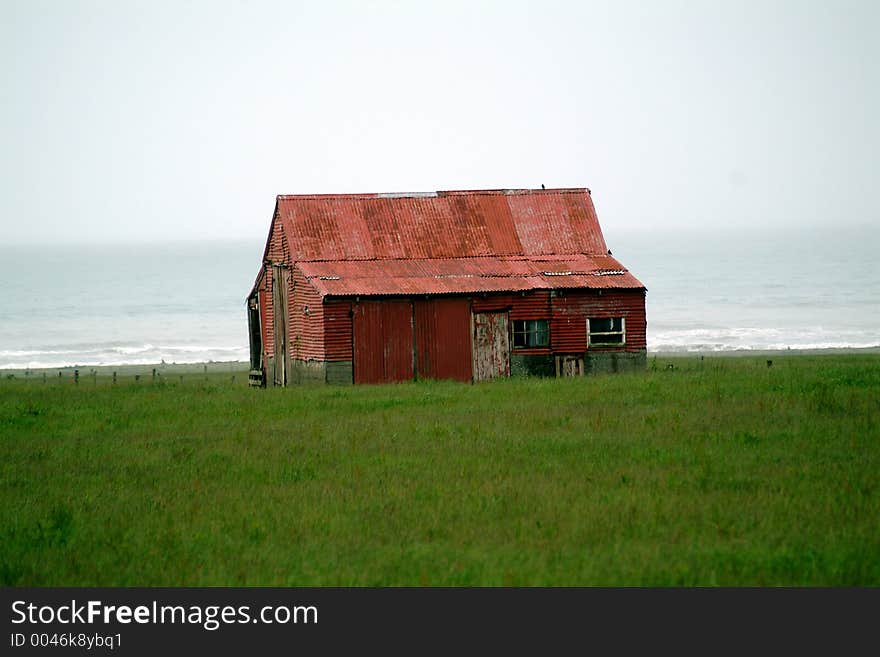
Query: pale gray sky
183	120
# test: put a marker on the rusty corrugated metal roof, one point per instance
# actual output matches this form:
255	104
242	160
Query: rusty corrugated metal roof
440	224
466	275
448	242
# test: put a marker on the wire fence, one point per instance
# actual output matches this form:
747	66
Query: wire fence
217	373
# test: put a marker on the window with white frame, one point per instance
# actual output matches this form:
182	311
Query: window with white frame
531	333
602	331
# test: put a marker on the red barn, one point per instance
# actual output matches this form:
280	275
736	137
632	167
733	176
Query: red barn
465	285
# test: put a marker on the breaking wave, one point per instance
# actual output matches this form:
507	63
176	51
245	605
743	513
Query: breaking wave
759	339
118	354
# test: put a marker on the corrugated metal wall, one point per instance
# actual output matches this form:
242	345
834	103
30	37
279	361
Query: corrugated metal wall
265	308
492	303
534	305
393	339
443	338
306	320
337	329
568	327
383	341
277	252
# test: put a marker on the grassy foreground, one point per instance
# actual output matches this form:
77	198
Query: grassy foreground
718	472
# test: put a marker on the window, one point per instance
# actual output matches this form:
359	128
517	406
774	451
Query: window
531	333
606	331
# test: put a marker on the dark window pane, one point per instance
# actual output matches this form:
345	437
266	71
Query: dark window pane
531	333
606	330
601	325
542	337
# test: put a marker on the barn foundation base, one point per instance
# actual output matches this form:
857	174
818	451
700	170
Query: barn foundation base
309	371
339	372
532	365
610	362
316	371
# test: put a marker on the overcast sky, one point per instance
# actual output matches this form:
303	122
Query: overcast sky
177	120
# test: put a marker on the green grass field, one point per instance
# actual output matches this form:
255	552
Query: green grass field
719	472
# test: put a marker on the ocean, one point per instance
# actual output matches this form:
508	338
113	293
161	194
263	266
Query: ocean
184	302
757	290
125	304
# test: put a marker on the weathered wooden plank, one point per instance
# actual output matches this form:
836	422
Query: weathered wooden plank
491	346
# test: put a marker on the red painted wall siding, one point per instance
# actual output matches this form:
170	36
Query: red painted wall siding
568	326
377	335
383	341
534	305
305	330
337	329
277	252
306	319
491	303
443	338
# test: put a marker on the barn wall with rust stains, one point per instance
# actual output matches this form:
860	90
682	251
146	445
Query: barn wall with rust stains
443	338
394	339
306	320
532	305
277	251
383	341
337	330
491	303
568	328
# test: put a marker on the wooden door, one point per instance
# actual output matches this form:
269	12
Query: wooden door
280	283
491	346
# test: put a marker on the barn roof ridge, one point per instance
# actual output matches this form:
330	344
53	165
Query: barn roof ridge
519	257
440	224
514	191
